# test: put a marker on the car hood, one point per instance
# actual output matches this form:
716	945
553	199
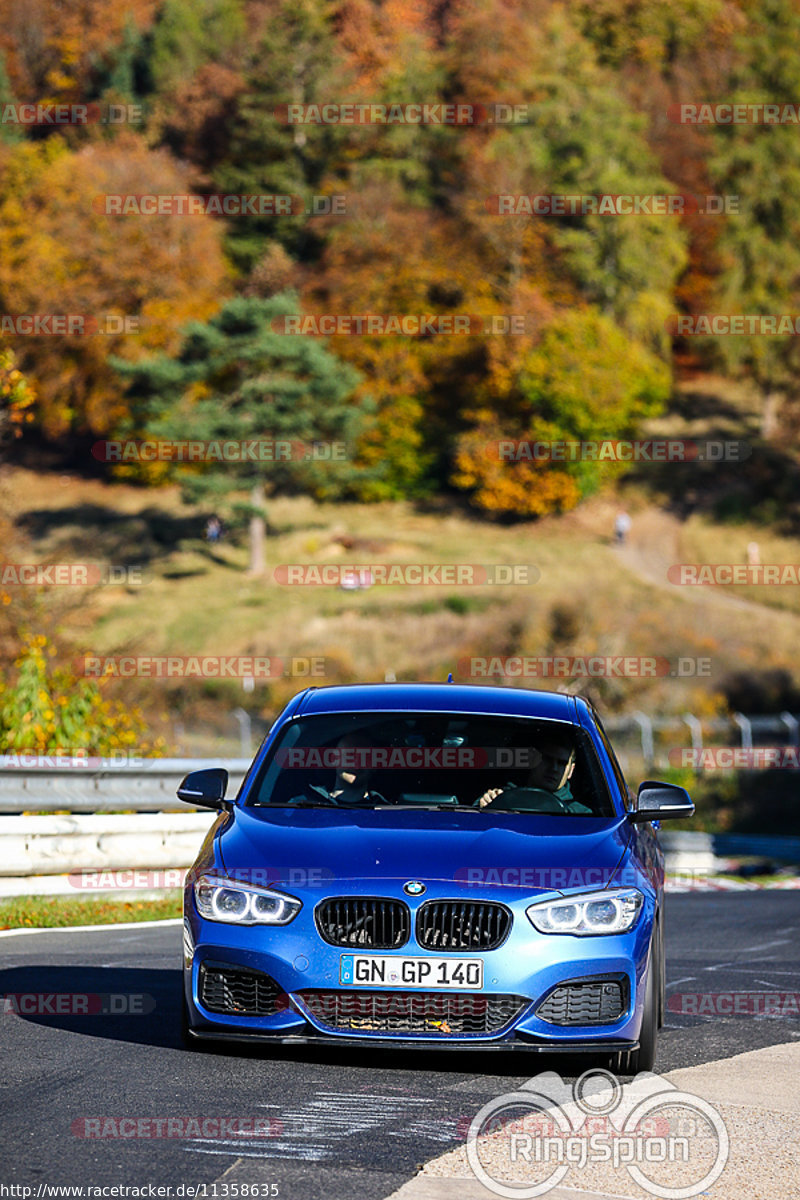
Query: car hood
326	847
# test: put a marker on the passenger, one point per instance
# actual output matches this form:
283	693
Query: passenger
350	782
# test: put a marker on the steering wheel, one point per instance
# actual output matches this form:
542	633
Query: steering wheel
544	802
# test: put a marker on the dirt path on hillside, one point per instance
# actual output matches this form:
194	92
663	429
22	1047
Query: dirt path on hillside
654	546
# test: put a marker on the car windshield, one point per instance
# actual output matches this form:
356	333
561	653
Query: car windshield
436	761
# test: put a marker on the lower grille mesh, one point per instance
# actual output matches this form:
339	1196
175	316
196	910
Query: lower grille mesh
592	1002
239	991
435	1014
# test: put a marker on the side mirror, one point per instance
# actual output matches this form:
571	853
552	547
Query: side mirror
205	788
656	801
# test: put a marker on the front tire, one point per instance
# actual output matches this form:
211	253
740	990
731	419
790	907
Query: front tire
187	1041
631	1062
662	974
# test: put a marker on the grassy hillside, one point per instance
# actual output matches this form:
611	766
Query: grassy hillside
591	598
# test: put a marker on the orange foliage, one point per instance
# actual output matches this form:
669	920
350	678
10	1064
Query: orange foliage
372	37
53	48
527	488
58	254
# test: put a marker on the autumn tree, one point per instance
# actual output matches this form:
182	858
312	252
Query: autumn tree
16	398
60	52
61	253
45	706
584	382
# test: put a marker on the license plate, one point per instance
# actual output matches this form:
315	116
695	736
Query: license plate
375	970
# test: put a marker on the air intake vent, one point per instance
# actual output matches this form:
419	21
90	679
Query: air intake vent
456	925
240	992
358	921
585	1002
429	1014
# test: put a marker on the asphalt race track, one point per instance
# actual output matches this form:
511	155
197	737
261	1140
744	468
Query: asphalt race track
341	1125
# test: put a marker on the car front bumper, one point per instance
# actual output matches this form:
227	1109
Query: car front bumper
528	967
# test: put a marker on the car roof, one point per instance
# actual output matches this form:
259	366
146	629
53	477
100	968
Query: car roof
437	697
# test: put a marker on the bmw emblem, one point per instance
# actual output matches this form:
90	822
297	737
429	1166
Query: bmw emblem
413	887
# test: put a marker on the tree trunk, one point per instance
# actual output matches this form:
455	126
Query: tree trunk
258	531
769	415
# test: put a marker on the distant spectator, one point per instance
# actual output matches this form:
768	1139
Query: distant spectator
354	580
213	530
753	554
622	527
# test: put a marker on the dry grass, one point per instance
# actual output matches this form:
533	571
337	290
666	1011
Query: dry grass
591	599
55	912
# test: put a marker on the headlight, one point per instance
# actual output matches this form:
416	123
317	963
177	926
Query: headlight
220	899
592	913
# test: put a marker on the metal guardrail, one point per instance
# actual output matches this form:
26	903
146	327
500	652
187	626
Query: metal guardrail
688	850
55	845
637	736
146	785
38	783
118	816
35	847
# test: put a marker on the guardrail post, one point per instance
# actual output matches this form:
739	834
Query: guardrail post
793	725
746	727
245	728
646	730
696	730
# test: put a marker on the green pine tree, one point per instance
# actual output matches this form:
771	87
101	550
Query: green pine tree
296	62
9	130
238	378
189	33
584	139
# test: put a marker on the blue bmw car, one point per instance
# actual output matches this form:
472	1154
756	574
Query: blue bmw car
415	865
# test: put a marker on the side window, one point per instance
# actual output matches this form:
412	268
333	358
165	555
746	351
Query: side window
627	795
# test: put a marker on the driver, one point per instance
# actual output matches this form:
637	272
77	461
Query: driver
550	774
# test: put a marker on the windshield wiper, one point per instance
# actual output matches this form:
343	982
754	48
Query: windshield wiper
456	808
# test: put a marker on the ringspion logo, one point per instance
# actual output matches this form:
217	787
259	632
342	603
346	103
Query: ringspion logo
525	1143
